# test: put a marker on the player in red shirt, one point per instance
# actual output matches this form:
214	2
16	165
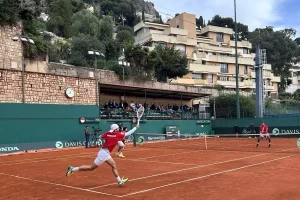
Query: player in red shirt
111	138
263	129
121	144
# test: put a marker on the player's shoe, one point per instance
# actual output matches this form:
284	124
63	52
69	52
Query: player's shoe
69	171
120	155
257	144
269	145
122	182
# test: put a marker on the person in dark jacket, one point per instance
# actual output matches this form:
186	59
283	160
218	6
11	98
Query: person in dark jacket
87	136
236	130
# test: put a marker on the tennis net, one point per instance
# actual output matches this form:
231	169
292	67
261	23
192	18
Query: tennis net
286	143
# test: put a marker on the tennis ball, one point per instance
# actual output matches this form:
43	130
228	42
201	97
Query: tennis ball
202	126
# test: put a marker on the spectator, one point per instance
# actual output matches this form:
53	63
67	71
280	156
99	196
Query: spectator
132	106
252	129
110	105
87	136
236	130
153	107
114	104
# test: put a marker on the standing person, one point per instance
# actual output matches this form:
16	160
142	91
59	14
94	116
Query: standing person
87	136
121	144
111	140
263	130
236	130
252	129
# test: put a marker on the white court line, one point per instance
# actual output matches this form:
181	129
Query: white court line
61	185
59	158
208	175
196	167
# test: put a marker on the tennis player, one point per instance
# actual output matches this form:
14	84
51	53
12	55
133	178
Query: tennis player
263	129
111	138
121	144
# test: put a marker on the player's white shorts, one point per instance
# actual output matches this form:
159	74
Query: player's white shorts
121	144
267	135
103	155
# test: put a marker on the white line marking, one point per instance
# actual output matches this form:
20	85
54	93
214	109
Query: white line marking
209	175
56	184
196	167
56	158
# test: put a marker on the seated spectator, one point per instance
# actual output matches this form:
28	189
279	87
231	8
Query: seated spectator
106	106
114	104
110	104
145	106
153	107
123	104
132	106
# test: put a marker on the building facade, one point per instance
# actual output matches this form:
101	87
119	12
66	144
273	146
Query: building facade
210	52
295	78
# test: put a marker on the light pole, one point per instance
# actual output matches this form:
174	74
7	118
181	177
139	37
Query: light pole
24	40
124	64
236	67
96	53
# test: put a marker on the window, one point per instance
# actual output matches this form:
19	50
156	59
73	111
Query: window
245	69
210	78
224	68
160	44
196	76
220	37
245	51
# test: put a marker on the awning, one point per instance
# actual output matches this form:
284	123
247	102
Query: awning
150	92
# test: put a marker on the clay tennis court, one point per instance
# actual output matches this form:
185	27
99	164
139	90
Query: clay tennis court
159	173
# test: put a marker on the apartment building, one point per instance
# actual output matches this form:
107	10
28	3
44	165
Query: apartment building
210	53
294	79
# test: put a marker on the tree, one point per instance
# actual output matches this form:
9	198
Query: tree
297	40
60	13
168	63
77	5
225	105
127	28
242	29
80	46
200	22
86	23
281	50
125	38
296	95
141	66
9	10
106	29
112	48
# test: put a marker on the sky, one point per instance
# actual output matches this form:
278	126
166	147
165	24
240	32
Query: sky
255	13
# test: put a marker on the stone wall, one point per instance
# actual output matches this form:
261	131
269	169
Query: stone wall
46	88
10	51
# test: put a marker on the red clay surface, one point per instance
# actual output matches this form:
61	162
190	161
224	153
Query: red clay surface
154	173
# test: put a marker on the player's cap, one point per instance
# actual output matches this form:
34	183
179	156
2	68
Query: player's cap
113	127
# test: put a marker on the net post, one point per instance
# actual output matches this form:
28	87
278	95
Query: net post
134	139
205	141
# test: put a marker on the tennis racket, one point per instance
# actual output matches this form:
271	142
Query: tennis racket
139	114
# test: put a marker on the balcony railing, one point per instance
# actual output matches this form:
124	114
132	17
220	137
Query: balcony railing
228	59
204	68
241	44
207	47
269	87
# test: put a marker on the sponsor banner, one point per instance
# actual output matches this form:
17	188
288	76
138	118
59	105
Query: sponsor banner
141	138
10	148
88	120
279	131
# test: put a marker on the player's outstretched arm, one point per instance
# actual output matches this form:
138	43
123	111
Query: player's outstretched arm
131	131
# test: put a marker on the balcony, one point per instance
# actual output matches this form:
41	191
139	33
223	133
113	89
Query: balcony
216	29
175	31
194	67
207	47
269	87
156	37
241	44
230	84
204	39
276	78
228	59
249	84
186	81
